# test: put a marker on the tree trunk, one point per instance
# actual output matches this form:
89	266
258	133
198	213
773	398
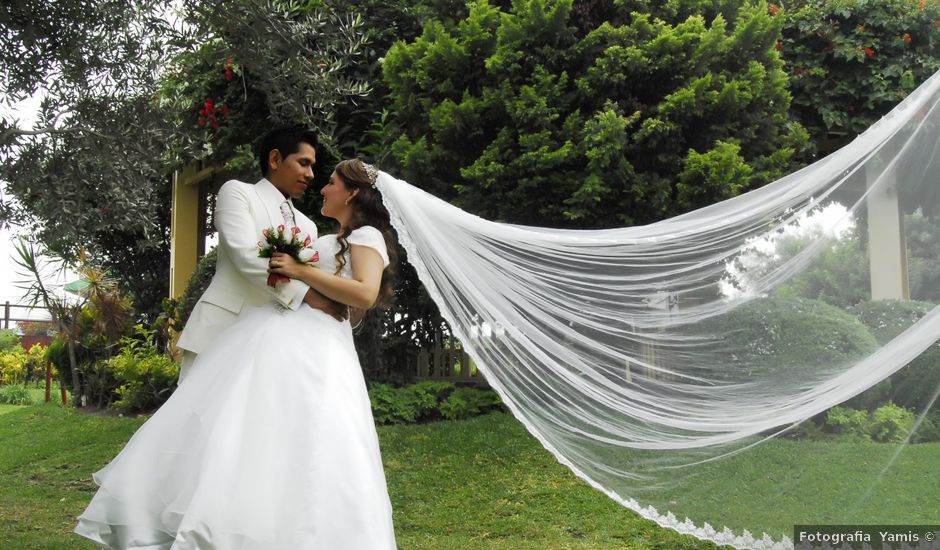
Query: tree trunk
76	384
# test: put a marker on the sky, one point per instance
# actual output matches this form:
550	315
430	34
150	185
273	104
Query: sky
25	113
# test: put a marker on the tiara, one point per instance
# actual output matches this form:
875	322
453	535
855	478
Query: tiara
371	172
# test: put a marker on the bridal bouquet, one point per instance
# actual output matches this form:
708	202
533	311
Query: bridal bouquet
276	240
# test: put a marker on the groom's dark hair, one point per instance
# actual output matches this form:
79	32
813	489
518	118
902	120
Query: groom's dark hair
287	140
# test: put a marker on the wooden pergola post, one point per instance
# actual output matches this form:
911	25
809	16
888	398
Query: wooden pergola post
187	225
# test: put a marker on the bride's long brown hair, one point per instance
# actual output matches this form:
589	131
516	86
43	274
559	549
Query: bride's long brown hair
368	209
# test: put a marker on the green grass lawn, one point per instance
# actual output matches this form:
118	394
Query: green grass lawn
483	483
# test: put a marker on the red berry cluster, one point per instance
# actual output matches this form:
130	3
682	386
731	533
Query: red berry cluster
209	111
229	69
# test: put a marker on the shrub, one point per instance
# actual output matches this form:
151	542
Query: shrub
8	339
15	395
146	379
388	407
851	61
138	378
429	393
770	336
807	430
886	319
890	424
197	284
100	383
847	421
392	405
429	400
57	353
36	362
467	402
929	429
911	387
13	365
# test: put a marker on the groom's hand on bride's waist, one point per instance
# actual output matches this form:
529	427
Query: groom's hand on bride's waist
318	301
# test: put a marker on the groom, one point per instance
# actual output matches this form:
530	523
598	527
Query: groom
286	157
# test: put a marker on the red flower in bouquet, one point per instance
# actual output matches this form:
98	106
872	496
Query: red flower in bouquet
291	244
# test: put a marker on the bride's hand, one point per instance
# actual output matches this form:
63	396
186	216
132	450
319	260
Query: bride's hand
284	264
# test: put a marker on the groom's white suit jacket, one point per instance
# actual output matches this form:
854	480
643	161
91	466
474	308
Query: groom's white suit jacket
242	212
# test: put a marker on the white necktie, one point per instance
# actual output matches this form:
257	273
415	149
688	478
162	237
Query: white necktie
287	213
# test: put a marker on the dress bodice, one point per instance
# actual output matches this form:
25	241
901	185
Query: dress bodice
327	246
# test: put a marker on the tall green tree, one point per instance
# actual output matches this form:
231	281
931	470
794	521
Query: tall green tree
132	94
519	115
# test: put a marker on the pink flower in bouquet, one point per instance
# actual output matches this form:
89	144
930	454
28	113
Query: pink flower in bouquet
280	229
266	233
307	241
294	230
308	255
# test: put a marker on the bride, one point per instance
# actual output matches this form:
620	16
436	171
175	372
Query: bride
271	443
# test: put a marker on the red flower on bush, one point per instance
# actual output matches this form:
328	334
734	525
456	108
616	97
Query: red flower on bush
207	107
869	52
229	72
798	70
774	9
906	38
778	45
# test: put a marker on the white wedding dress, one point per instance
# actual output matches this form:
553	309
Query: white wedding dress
269	445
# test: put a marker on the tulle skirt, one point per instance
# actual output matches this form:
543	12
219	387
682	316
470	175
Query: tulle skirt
269	444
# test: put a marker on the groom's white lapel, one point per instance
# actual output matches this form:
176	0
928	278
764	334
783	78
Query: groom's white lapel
272	199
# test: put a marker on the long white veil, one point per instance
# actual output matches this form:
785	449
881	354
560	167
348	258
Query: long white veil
685	367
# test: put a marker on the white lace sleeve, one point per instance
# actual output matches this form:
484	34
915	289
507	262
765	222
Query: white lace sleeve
371	237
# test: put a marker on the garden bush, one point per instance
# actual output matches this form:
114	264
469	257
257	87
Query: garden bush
100	384
13	365
780	334
36	363
890	424
912	387
847	421
429	400
138	378
929	429
57	353
15	395
467	402
849	62
8	339
147	379
197	284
